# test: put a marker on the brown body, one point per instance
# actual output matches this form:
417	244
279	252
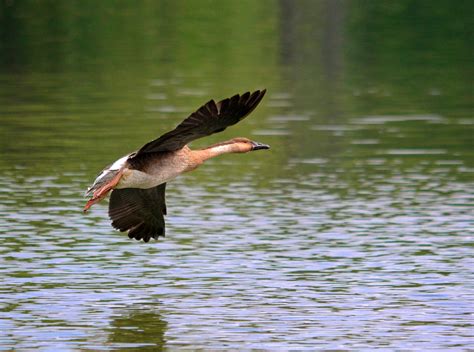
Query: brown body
163	167
139	179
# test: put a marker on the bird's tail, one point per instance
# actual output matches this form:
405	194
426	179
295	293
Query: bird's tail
104	178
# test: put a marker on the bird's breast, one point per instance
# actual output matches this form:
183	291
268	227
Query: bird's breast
156	172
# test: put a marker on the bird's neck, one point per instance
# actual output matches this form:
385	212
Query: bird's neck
219	149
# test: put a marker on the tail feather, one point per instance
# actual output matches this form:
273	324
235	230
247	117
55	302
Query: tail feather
105	177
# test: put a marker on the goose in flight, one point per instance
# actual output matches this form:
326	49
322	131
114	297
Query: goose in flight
138	180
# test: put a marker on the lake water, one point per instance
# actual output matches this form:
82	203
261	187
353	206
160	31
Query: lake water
354	232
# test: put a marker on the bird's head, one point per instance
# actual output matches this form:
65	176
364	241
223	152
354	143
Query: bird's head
247	145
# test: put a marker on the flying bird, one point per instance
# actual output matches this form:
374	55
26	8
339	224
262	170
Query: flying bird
138	180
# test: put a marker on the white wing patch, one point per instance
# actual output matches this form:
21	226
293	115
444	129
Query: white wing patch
119	163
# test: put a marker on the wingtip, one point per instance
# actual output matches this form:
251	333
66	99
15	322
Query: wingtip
258	91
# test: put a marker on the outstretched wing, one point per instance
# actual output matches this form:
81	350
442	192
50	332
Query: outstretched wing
139	211
208	119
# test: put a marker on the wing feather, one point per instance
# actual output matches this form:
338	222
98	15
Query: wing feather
139	211
210	118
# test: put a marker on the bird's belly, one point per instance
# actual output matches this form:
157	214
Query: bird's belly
139	179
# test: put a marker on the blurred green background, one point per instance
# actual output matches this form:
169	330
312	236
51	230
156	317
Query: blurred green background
73	72
352	232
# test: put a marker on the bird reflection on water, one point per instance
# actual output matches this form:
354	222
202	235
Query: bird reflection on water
140	327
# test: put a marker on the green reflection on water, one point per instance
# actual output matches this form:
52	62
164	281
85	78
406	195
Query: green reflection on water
138	328
75	72
359	91
81	71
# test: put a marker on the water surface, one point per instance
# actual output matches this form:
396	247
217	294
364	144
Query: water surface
353	232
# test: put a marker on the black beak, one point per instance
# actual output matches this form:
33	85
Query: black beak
257	146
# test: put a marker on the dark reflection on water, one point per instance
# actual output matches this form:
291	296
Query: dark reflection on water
353	232
138	328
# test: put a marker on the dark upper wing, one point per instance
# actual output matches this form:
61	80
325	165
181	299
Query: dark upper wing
208	119
139	211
